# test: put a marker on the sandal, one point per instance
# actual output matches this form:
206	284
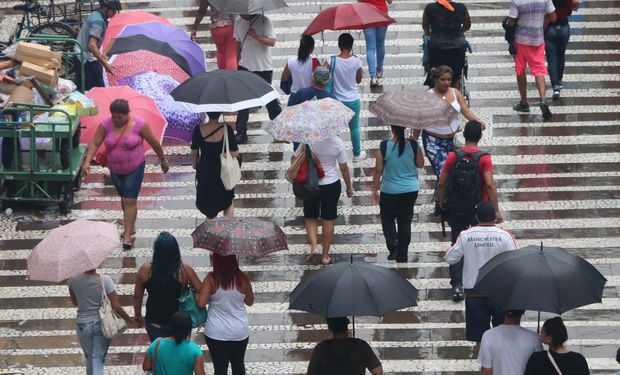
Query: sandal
129	245
380	73
374	82
326	260
133	233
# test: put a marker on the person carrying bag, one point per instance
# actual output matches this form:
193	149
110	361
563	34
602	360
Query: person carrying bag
231	171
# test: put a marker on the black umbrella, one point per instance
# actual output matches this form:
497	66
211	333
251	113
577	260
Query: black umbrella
142	42
541	279
355	288
224	91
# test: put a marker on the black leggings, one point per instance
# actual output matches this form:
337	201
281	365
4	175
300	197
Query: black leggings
224	352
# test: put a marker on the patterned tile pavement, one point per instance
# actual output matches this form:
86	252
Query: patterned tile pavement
558	183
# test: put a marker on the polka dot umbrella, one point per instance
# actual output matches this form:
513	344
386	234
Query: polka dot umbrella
136	62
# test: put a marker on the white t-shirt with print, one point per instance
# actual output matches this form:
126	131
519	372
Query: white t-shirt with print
506	349
255	56
330	153
345	71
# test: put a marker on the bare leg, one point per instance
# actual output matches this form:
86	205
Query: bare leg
542	88
522	84
328	236
312	229
130	213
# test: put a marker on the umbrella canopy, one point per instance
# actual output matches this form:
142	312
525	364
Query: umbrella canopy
310	122
177	38
139	104
247	6
413	109
185	53
71	249
239	236
348	17
181	122
538	279
119	21
136	62
355	288
224	91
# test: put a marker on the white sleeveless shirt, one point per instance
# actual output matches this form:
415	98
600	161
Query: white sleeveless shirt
227	319
301	73
454	125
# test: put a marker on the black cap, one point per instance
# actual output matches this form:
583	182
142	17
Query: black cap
485	212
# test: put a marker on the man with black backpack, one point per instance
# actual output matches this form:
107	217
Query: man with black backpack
343	355
466	180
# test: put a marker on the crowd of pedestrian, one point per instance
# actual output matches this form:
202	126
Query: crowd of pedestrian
465	194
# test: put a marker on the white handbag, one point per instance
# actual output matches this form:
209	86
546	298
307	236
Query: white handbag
231	171
112	325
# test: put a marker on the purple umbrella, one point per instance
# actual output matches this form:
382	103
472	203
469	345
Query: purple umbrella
176	38
181	122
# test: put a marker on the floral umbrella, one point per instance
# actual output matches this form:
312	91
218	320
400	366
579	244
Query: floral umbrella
310	122
136	62
239	236
181	122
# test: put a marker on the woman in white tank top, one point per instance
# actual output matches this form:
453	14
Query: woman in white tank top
439	141
300	67
226	290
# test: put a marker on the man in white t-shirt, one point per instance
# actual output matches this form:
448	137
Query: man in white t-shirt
476	246
255	38
505	349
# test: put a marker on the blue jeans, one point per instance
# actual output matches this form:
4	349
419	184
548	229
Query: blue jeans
354	126
556	40
94	345
375	49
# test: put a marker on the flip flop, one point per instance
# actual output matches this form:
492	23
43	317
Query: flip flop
133	233
326	260
310	255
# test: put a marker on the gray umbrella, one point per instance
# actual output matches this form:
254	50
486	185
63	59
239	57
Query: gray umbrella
223	91
355	288
247	6
540	279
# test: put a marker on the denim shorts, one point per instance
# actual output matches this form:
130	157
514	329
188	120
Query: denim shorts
128	185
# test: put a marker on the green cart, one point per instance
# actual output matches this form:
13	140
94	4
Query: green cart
41	155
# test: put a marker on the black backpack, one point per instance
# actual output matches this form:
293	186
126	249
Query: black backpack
463	188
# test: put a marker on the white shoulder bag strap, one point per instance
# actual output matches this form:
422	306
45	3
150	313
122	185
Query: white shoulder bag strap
555	365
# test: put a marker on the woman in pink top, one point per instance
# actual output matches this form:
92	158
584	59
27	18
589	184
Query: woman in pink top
123	135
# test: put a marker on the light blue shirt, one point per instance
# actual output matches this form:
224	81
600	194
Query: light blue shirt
173	359
400	174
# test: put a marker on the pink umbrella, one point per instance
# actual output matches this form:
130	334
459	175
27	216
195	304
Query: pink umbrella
139	104
72	249
119	21
136	62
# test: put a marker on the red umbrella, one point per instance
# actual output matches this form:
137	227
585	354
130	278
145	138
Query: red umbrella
239	236
348	17
119	21
141	61
139	104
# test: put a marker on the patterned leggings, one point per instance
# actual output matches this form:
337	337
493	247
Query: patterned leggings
437	150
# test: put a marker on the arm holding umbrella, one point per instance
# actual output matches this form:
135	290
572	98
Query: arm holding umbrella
147	134
92	149
265	39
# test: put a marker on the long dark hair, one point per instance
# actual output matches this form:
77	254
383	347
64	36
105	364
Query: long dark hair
226	272
180	326
306	46
399	131
166	258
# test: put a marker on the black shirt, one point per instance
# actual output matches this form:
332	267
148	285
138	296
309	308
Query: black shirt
353	354
570	363
445	22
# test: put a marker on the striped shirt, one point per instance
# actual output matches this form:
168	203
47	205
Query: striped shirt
530	16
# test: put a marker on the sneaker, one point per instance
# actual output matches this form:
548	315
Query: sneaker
521	107
393	254
546	113
374	82
457	293
560	86
360	157
556	93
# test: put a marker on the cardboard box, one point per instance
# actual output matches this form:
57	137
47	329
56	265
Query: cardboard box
45	75
21	94
55	62
34	50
